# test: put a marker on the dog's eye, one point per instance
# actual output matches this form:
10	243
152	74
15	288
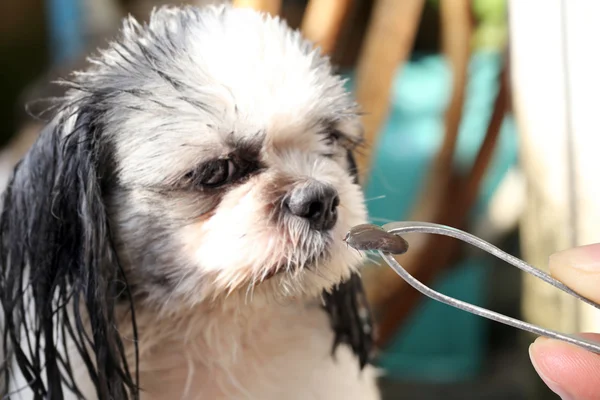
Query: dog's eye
332	137
214	173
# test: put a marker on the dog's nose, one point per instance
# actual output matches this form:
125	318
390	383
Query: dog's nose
316	202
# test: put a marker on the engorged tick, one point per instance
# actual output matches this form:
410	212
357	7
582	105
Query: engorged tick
373	237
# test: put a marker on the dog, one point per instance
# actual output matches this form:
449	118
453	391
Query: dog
176	231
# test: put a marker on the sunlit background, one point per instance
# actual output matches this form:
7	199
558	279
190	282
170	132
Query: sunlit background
479	114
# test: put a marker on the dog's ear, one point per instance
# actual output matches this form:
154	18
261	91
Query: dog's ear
348	309
60	272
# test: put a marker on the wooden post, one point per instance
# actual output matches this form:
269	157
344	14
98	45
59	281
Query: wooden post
272	7
388	41
323	21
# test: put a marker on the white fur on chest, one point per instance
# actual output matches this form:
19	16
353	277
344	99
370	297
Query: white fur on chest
272	353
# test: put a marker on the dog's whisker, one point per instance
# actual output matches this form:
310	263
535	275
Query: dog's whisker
375	198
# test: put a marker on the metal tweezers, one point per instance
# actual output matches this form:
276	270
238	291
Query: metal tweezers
398	228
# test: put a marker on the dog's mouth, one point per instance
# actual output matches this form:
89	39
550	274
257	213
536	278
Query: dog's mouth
309	253
290	268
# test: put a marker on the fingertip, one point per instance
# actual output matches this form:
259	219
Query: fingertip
585	258
579	269
569	371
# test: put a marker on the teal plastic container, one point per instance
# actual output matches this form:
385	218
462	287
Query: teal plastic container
439	343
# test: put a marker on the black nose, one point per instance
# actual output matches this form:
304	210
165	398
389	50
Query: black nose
315	202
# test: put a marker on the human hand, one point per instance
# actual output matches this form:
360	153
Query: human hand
571	372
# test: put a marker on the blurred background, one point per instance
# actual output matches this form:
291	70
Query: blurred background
479	114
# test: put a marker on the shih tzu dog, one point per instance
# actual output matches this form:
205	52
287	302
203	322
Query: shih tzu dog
176	230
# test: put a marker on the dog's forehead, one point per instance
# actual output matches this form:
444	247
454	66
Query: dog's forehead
260	70
227	60
194	77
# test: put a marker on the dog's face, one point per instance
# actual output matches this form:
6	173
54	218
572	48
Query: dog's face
230	141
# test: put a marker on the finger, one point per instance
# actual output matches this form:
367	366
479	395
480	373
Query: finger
569	371
579	269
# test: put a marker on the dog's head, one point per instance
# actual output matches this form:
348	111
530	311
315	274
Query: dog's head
230	138
207	153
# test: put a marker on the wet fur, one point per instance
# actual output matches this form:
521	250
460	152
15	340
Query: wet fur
120	274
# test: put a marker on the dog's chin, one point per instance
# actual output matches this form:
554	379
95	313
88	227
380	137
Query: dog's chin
310	263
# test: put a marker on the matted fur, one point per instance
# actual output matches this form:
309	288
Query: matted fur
125	276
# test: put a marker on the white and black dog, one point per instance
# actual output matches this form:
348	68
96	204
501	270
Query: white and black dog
177	229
